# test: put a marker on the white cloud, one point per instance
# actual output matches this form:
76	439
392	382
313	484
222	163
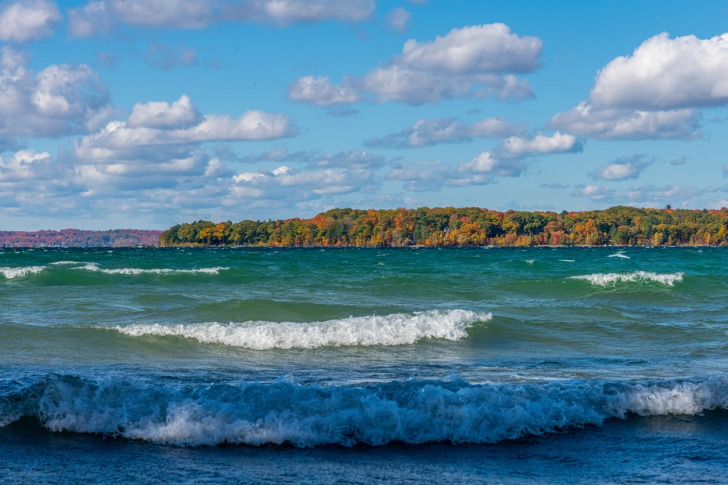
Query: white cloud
594	192
24	165
26	20
624	124
156	124
58	101
622	169
518	147
295	185
655	93
478	49
180	114
321	92
398	18
101	16
666	74
161	146
432	131
474	61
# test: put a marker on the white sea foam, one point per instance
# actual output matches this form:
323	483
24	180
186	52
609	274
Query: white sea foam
64	263
11	273
394	329
137	271
619	254
568	260
312	415
605	279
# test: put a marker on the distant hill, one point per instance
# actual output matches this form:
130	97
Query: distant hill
75	238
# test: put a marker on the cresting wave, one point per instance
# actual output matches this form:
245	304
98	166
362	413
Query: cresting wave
137	271
394	329
19	272
310	415
605	279
11	273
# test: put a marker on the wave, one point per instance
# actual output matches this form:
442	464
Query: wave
11	273
605	279
137	271
619	254
394	329
281	412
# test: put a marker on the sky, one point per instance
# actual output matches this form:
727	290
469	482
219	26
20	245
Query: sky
149	113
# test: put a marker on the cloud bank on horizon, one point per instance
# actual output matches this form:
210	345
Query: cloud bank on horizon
147	113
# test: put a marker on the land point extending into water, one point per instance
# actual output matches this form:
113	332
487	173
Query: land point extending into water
471	226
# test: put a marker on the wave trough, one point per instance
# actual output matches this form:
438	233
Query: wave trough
394	329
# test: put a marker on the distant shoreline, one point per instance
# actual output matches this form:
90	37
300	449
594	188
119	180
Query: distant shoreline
77	238
619	226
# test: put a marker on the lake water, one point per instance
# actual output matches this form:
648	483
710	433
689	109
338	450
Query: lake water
364	365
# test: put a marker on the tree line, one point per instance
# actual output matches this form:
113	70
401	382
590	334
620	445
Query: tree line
471	226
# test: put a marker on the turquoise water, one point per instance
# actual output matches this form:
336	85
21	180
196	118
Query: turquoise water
544	365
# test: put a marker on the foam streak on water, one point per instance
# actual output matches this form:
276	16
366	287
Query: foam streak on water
394	329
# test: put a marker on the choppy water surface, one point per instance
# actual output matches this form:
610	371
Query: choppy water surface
520	364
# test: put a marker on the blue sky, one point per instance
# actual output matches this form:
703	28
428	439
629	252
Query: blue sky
148	113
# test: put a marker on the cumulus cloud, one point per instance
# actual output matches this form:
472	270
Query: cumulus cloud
476	61
120	137
397	19
478	49
101	16
321	92
509	159
179	114
623	124
162	146
26	20
298	184
622	169
518	147
425	132
666	74
654	93
60	100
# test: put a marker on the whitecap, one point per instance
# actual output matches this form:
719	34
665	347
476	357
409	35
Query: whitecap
605	279
137	271
619	254
393	329
11	273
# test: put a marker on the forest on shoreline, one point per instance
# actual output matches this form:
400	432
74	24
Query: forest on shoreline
471	226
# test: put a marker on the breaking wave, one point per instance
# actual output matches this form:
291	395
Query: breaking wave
394	329
619	254
605	279
414	412
11	273
137	271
